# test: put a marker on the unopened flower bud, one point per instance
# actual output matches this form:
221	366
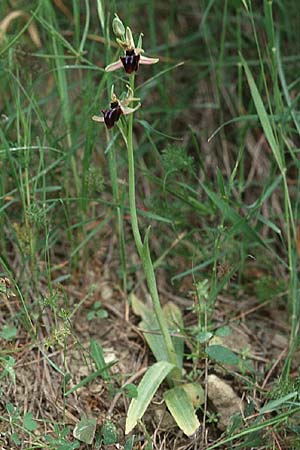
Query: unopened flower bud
118	27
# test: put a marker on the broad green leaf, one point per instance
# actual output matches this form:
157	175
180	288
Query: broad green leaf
8	332
222	355
90	315
173	315
15	438
139	308
129	443
203	336
109	433
85	429
29	423
102	314
182	410
11	410
130	390
174	319
146	390
223	331
153	337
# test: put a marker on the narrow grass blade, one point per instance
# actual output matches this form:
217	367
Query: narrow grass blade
95	231
263	116
149	128
231	215
146	390
89	378
263	425
101	14
275	404
182	410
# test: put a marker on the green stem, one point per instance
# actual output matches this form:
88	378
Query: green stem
131	182
143	248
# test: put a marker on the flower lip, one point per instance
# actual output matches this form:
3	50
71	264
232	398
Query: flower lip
130	61
112	115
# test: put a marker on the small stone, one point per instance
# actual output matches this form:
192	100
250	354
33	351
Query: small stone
106	293
224	399
164	419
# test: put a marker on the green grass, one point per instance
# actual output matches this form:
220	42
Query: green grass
229	197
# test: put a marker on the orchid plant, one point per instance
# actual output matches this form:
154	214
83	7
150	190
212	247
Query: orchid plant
181	398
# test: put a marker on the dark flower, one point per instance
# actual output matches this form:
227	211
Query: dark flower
117	108
112	115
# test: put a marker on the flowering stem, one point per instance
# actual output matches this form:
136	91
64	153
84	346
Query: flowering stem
143	248
131	181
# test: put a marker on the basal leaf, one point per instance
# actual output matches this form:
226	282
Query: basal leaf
182	410
152	334
195	393
146	390
174	319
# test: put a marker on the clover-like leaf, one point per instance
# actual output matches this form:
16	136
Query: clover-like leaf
85	429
